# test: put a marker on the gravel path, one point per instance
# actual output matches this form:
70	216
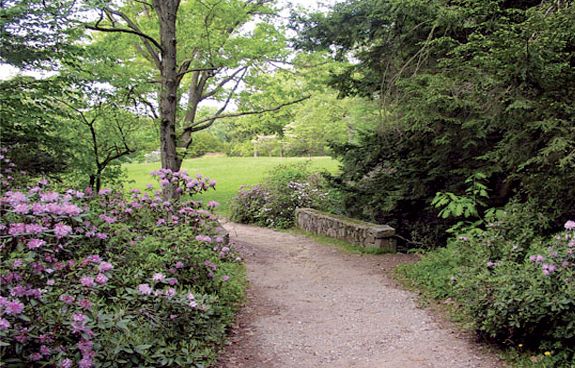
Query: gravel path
312	305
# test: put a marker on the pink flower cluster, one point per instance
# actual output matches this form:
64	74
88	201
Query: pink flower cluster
158	279
182	182
560	256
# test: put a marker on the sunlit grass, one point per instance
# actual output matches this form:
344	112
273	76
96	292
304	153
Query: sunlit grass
229	172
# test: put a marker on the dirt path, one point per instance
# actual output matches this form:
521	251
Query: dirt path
312	305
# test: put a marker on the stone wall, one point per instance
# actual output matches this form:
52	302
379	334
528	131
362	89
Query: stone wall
354	231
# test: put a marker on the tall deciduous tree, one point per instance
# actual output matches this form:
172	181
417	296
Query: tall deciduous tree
199	49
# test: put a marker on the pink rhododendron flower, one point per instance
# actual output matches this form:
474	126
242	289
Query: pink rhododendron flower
35	243
104	192
570	225
105	267
21	209
537	258
179	265
192	300
102	236
35	229
108	219
35	357
170	293
87	281
14	307
204	238
158	277
38	209
18	291
85	346
15	198
78	317
34	293
4	324
66	363
44	338
548	269
172	281
94	258
101	279
211	265
62	230
70	209
44	350
35	190
22	336
85	303
17	229
49	197
145	289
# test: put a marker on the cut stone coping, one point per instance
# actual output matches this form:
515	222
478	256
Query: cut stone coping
351	230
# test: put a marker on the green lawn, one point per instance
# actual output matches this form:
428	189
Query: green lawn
229	172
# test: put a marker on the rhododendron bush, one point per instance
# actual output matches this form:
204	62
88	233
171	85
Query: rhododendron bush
97	279
285	188
517	287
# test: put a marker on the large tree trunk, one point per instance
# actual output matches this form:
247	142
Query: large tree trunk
167	10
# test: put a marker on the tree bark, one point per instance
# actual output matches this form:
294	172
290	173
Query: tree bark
167	11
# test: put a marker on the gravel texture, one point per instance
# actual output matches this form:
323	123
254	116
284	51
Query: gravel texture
312	305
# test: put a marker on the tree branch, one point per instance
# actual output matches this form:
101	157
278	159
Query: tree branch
182	73
223	82
148	40
200	124
145	3
124	30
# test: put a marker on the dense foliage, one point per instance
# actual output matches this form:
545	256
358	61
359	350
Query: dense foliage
30	115
464	86
517	287
273	203
94	279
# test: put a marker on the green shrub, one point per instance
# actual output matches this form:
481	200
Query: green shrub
285	188
205	142
518	288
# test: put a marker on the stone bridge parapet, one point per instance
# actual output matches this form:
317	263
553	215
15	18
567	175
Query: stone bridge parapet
343	228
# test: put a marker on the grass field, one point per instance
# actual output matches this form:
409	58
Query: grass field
229	172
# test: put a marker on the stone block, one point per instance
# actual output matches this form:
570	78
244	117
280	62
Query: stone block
354	231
